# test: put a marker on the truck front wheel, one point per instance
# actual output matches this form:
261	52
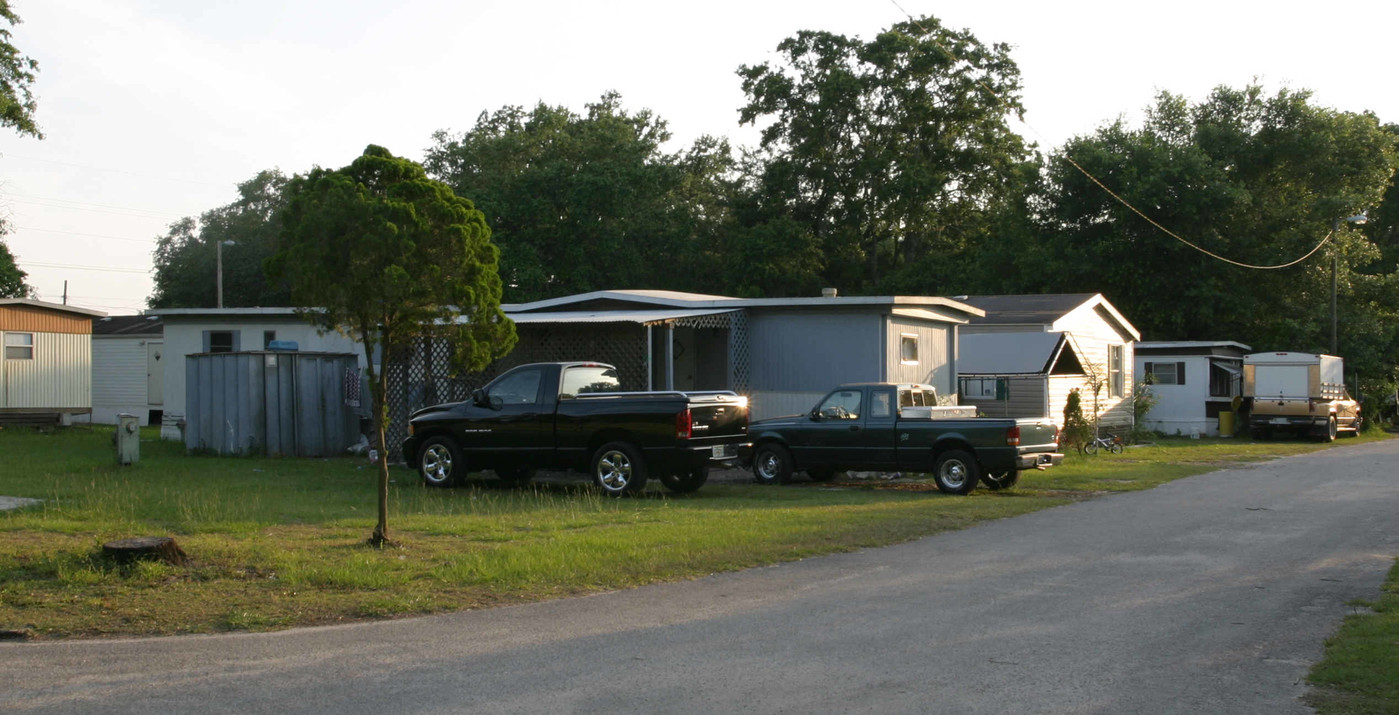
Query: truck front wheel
440	463
772	464
956	472
618	469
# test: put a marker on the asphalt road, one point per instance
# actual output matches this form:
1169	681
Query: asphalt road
1209	594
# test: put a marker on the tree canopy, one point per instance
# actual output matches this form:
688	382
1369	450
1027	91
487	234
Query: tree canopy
586	202
1254	178
380	252
185	257
17	105
12	283
887	153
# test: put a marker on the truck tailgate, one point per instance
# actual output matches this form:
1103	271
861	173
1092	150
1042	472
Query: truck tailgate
719	418
1037	435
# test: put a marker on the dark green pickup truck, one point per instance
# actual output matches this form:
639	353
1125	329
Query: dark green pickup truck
888	427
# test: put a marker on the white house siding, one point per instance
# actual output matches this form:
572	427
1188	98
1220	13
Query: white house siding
185	336
795	357
1092	332
935	352
59	377
119	378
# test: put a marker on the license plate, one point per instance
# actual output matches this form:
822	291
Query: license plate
722	451
1279	420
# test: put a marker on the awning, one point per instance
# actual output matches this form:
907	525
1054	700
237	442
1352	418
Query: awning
1233	371
1007	353
643	317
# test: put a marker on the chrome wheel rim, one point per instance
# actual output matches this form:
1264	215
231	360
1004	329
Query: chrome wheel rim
614	470
768	465
437	464
954	473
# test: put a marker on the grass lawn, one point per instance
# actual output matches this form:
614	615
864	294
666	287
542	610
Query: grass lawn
277	543
1360	672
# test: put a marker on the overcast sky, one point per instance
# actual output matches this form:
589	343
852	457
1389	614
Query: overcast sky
155	109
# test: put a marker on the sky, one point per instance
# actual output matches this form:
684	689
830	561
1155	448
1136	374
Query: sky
154	110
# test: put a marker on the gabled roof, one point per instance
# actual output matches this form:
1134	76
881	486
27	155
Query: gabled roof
1011	353
123	325
29	303
1046	310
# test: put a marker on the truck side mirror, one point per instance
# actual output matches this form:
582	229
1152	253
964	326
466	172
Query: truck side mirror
815	414
478	398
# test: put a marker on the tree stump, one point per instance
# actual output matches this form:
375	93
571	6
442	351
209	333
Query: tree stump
145	548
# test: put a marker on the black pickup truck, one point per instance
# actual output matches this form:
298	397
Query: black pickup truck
571	415
888	427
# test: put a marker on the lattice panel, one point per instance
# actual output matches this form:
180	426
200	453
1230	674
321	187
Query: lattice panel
738	352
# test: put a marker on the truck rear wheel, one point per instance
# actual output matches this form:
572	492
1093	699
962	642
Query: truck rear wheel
618	469
440	463
772	464
1330	434
1004	480
686	483
956	472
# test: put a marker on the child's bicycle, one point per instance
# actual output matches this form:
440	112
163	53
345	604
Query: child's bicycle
1111	443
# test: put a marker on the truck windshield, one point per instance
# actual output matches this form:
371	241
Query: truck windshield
587	379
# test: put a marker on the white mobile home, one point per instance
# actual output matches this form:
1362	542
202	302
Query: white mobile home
1045	346
46	362
1194	382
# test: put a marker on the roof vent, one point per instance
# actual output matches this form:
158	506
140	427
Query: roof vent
828	292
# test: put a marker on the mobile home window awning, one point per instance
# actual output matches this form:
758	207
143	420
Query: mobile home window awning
642	317
1009	353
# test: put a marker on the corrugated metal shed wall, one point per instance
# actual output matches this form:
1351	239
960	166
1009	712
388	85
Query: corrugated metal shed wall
58	377
270	403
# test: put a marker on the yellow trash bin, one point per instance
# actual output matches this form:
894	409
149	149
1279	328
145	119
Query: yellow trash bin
1226	424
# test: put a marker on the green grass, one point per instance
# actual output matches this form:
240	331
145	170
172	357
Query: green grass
278	543
1359	675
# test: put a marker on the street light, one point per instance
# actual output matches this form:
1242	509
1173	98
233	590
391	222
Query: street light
218	260
1357	219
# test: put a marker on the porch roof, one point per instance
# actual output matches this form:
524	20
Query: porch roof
644	317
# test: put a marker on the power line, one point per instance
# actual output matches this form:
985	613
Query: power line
1100	184
84	206
92	235
104	269
115	171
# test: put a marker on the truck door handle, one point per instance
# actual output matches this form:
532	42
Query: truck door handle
854	428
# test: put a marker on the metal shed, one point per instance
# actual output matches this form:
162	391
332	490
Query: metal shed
263	402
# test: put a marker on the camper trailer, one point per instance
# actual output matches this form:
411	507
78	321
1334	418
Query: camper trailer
1298	393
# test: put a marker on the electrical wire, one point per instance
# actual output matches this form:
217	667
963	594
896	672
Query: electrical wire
1100	184
105	269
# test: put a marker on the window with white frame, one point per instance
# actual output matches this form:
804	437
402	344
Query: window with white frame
908	348
1116	388
19	346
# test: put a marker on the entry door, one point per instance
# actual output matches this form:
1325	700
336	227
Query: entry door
155	373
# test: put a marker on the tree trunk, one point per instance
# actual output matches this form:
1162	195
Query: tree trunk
146	548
